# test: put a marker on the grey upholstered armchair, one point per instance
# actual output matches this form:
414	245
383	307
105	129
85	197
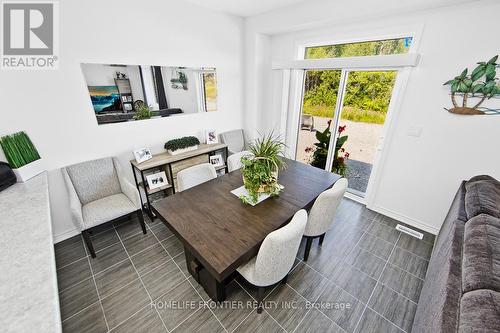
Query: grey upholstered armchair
99	193
235	141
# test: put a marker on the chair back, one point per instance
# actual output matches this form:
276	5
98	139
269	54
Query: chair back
195	175
324	209
235	140
234	161
94	180
279	250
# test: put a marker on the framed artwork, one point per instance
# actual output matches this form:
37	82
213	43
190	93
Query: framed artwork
156	180
212	137
105	98
142	155
216	160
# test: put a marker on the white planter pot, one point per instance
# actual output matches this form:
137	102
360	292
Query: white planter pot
183	150
29	171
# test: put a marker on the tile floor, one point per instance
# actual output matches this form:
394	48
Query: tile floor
366	277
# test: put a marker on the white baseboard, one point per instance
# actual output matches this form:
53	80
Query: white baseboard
405	219
65	235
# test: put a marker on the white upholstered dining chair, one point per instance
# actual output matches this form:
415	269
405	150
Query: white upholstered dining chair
275	257
98	193
234	161
235	141
322	213
195	175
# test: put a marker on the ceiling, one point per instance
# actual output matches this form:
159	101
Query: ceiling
244	8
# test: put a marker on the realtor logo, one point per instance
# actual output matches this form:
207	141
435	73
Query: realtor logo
29	35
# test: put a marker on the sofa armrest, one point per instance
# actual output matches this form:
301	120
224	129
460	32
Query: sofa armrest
74	202
127	187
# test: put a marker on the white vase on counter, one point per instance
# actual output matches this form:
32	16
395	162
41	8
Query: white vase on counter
29	171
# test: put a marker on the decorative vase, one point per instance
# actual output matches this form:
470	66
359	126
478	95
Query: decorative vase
28	171
465	111
182	150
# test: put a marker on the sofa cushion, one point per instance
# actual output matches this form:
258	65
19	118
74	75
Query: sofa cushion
482	196
480	311
106	209
481	262
439	301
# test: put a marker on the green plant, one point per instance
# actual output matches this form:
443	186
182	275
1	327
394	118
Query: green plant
181	143
321	151
260	171
18	149
481	83
143	112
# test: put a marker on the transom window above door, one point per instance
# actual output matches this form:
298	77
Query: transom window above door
359	49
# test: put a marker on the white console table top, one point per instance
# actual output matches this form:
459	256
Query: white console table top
29	299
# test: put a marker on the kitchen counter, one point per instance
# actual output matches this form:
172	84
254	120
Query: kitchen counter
29	299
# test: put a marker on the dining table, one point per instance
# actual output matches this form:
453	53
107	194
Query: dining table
220	233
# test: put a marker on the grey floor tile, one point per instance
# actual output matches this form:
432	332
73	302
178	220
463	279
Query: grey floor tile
178	304
286	306
390	222
139	242
162	232
202	321
119	306
199	289
385	232
393	307
108	257
73	273
251	289
104	239
307	282
180	260
162	279
237	306
375	245
90	320
259	323
315	322
402	282
77	298
115	277
128	228
145	321
150	258
373	323
69	250
366	262
415	245
409	262
355	282
151	223
173	246
428	237
341	307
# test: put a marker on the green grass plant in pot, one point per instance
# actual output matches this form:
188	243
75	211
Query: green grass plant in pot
260	170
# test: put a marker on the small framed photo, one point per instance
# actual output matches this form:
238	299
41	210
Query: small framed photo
124	98
156	180
216	160
128	107
129	98
142	155
212	137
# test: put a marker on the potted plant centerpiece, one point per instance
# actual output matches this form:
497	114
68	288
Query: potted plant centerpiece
22	156
260	170
182	145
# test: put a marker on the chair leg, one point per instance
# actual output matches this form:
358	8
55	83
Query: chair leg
308	248
141	220
284	279
321	238
88	241
260	299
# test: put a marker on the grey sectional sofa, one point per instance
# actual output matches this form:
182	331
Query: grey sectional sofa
461	292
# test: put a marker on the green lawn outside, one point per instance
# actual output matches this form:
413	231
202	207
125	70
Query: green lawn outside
348	113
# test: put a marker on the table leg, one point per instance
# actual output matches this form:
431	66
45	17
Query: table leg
215	289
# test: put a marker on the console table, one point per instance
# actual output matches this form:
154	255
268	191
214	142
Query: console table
172	164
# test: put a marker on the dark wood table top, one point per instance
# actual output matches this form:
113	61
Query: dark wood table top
221	231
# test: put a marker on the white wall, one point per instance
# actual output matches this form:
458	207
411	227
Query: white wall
420	174
54	106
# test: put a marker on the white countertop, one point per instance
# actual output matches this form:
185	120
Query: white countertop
29	299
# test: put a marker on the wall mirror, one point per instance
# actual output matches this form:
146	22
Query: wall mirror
121	93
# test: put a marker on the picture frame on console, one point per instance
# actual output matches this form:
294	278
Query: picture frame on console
142	155
157	180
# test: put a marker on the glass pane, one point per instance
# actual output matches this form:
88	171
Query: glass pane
210	86
379	47
366	102
320	96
